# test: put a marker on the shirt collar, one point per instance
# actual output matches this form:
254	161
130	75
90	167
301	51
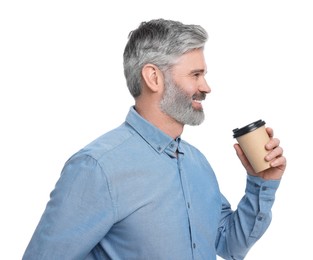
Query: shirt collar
158	140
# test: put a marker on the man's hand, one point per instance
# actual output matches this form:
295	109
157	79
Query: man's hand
275	157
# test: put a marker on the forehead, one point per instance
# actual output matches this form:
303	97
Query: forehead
193	60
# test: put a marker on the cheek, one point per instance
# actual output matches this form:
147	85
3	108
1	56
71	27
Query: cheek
190	90
188	87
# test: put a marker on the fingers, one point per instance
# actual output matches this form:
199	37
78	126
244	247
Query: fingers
270	131
275	156
275	153
238	149
279	161
274	142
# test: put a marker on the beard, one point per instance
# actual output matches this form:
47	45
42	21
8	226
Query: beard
177	104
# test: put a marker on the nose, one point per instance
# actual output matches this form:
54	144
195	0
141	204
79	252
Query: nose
204	87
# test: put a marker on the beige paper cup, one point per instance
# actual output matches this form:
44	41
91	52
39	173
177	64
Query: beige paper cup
252	139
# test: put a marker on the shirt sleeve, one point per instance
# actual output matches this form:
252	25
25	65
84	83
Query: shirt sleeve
241	228
76	217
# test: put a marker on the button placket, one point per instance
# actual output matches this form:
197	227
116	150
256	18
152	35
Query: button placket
188	203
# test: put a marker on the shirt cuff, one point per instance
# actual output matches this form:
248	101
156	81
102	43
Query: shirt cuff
264	193
259	186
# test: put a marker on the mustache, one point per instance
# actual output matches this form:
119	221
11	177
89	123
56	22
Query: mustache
199	96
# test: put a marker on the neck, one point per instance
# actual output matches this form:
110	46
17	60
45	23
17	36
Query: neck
159	119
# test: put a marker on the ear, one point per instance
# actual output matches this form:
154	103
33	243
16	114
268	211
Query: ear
152	77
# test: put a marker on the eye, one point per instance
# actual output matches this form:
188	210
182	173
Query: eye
197	75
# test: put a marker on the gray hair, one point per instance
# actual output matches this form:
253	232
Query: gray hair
159	42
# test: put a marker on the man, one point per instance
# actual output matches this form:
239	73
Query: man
139	191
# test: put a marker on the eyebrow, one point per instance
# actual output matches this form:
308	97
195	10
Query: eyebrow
198	71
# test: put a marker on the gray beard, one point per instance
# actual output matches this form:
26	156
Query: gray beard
178	105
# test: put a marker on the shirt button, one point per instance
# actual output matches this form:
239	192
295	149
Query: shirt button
188	205
264	188
171	145
260	218
194	245
159	148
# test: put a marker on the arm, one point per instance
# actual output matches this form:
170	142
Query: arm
240	229
79	214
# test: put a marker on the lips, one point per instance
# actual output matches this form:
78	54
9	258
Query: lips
199	97
197	101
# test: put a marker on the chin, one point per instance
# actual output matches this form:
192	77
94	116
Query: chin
197	119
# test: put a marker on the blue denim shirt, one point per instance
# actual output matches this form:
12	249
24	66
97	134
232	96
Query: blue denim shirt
127	195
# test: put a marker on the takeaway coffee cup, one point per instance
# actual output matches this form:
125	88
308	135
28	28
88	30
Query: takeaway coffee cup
252	139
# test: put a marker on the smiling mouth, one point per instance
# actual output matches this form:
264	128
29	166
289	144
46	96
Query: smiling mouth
198	98
197	101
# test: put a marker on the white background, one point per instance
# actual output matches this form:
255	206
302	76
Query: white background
62	85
